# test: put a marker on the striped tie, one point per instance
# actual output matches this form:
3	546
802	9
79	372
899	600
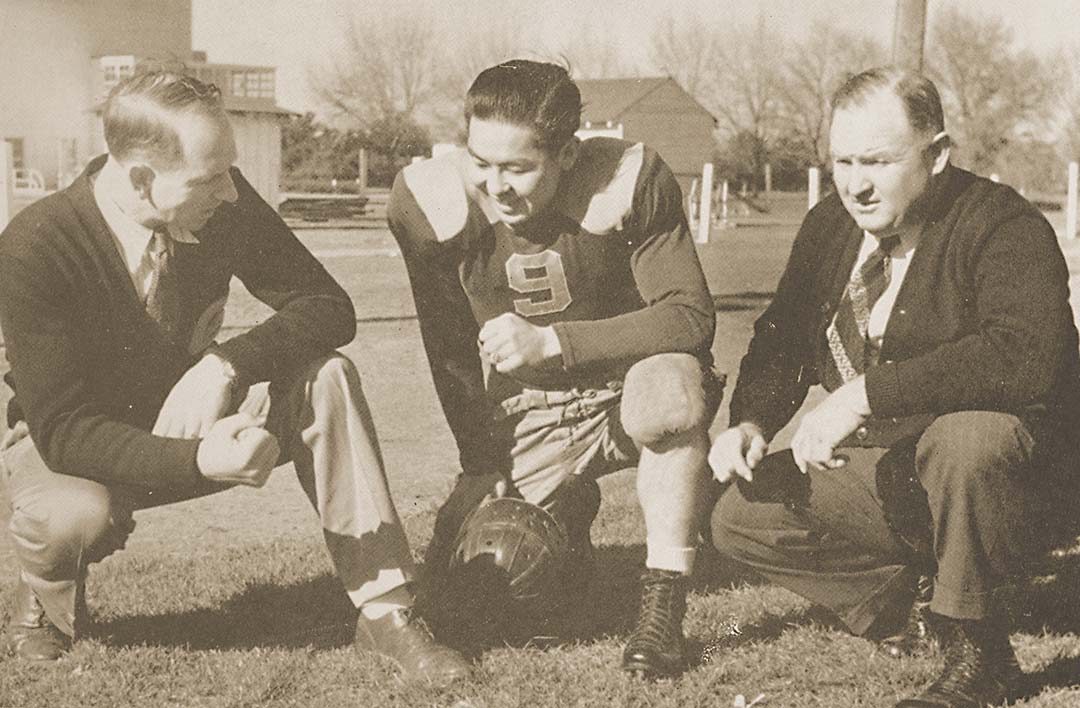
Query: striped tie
847	336
163	293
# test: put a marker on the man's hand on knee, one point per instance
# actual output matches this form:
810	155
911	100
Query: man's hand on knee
737	451
238	451
197	401
664	396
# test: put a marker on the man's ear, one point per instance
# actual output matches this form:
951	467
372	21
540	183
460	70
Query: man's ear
939	147
568	153
141	176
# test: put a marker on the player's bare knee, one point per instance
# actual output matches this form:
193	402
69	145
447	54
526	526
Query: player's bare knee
664	399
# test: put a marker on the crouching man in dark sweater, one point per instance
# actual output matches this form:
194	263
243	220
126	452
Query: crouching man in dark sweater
111	294
933	306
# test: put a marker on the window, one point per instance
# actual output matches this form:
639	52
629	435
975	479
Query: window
266	84
238	83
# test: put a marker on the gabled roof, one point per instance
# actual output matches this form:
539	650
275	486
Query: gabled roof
610	99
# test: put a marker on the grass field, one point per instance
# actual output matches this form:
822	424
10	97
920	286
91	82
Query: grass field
229	600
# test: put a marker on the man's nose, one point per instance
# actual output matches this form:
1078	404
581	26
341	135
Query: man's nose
858	181
495	183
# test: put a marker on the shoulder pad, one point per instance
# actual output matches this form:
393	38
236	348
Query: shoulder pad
439	190
599	190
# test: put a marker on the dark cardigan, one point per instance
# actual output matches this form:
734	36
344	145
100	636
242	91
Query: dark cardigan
982	320
89	368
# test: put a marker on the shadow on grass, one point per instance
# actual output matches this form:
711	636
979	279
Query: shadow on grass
610	606
313	613
1062	673
1048	601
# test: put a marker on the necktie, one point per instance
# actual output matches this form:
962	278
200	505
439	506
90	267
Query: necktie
848	344
163	293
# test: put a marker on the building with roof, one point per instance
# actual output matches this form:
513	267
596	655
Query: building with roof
60	58
654	111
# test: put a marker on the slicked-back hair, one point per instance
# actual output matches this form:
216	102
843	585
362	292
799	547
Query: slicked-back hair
533	94
920	97
137	112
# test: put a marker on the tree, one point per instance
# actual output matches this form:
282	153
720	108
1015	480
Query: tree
817	65
686	49
593	54
992	92
748	91
389	66
479	47
299	141
1069	106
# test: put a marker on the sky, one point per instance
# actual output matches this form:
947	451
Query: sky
299	36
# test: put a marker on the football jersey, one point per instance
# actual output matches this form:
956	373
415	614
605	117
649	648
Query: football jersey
609	264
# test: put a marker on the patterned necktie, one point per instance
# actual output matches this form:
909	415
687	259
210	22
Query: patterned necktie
163	292
847	338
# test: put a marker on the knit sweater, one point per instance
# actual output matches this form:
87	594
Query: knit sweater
982	322
90	370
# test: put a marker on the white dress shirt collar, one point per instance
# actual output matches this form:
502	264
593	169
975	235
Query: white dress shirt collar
131	237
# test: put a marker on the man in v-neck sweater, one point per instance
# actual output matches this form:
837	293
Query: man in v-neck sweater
116	410
945	438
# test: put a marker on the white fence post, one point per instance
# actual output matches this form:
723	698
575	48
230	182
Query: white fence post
813	187
705	205
1070	202
7	183
725	191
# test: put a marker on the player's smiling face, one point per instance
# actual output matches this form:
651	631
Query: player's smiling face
508	164
882	167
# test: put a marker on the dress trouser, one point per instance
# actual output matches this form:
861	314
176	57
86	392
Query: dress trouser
970	501
60	523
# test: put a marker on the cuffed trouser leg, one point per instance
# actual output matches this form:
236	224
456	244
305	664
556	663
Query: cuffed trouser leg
976	467
825	535
822	535
324	425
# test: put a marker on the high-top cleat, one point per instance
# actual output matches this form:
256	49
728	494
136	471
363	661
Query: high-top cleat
403	637
980	667
30	634
656	648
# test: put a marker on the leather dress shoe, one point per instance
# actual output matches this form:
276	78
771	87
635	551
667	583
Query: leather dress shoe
404	638
980	667
656	648
30	635
917	633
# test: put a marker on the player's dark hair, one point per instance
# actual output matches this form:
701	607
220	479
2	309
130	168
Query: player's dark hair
920	97
137	111
537	95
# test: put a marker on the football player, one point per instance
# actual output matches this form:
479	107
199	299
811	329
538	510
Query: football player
568	327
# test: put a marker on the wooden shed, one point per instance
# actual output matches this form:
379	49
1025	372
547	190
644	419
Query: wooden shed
654	111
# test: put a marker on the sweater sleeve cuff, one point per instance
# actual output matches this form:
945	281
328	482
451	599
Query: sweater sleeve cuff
883	390
185	458
243	358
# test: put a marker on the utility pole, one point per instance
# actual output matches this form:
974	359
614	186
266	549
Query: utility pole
909	34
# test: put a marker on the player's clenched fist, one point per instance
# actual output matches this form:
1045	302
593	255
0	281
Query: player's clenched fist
737	451
238	451
510	342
